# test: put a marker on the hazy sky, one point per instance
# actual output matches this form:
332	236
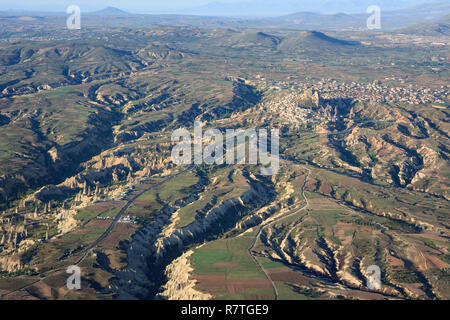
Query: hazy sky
226	7
130	5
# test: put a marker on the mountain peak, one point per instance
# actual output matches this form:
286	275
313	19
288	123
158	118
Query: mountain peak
110	11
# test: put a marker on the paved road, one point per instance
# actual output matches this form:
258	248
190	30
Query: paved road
85	252
122	211
263	227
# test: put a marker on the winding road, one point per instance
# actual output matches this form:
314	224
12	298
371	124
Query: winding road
123	210
263	227
86	251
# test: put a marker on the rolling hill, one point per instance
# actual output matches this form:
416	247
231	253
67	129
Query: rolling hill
438	28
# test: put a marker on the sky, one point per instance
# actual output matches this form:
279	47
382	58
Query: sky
136	6
212	7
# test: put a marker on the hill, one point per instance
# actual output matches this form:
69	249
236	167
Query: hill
110	11
438	28
319	37
315	41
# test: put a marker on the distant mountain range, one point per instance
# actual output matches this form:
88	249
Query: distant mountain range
277	7
109	11
390	20
438	28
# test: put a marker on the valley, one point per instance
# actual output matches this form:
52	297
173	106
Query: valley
87	176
